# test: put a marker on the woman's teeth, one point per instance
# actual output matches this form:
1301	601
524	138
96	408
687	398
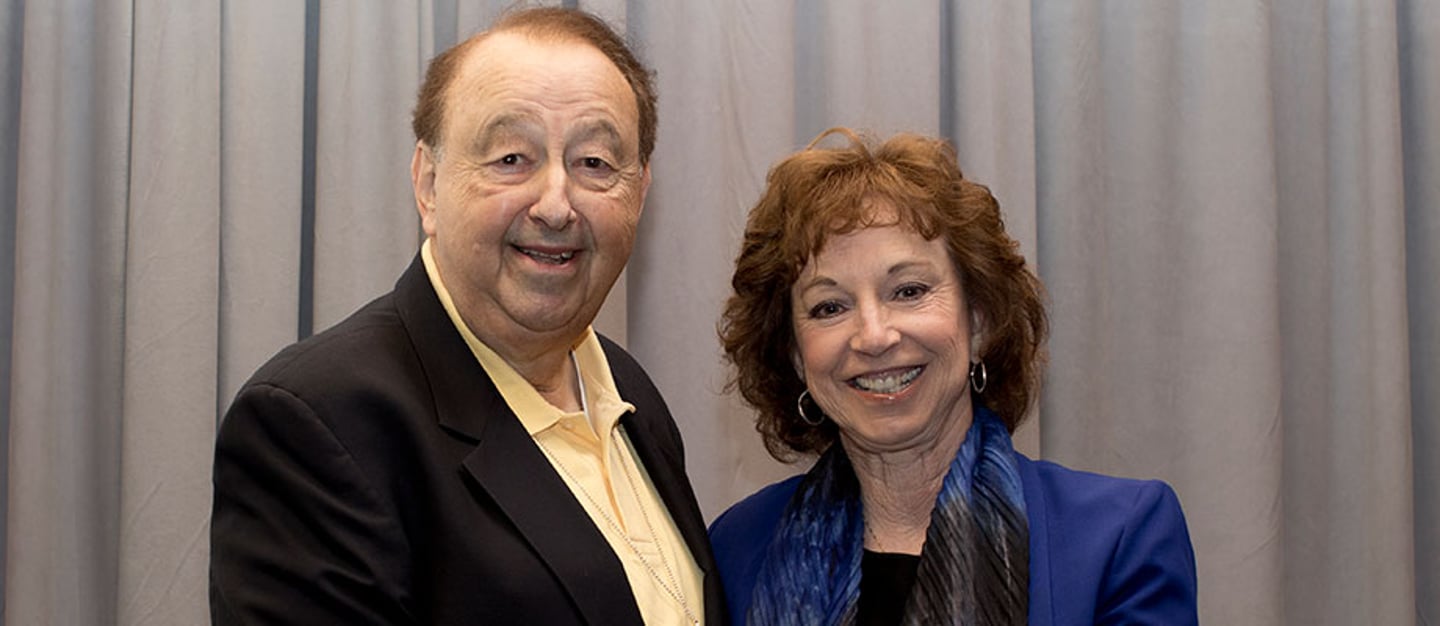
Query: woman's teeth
888	383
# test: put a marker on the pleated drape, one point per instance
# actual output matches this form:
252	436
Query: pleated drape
66	360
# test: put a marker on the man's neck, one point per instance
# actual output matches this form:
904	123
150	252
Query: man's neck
544	362
559	383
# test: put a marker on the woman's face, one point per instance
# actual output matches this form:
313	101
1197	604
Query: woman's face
883	338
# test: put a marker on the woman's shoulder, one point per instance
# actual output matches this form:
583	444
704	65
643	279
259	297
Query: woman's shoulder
742	535
1071	492
1120	545
758	512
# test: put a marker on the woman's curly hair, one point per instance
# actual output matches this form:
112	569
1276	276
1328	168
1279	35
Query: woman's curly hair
818	192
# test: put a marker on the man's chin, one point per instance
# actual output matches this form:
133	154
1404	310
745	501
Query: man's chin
552	316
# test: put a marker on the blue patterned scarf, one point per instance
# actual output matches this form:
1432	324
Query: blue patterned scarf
974	568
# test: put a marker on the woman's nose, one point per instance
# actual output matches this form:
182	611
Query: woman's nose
874	333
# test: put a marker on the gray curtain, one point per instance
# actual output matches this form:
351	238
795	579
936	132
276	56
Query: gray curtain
1235	206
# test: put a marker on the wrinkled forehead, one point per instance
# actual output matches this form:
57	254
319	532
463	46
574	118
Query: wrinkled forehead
524	52
565	70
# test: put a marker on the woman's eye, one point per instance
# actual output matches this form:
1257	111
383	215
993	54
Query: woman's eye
826	309
511	159
911	292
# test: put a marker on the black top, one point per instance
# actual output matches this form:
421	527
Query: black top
885	582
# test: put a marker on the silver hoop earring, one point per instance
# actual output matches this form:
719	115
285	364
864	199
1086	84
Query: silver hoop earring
800	406
978	376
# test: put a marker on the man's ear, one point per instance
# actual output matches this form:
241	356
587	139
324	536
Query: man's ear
422	180
644	186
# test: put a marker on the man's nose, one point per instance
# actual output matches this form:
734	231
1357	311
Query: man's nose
553	208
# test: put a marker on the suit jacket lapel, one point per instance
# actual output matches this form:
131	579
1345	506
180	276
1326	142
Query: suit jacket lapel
507	464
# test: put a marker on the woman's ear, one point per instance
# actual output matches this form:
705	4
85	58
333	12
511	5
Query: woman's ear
977	334
797	363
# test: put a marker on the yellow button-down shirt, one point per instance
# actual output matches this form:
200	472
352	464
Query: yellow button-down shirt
593	454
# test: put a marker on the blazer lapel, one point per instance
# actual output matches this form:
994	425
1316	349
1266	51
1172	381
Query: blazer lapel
1040	602
507	464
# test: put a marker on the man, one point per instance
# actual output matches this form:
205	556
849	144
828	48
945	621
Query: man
464	449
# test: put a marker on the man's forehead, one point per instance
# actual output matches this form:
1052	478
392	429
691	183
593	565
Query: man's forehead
500	58
509	49
521	56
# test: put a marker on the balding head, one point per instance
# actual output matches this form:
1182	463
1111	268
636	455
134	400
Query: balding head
551	24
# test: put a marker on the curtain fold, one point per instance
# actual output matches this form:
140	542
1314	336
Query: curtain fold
1419	51
366	229
62	497
262	95
1349	495
1235	207
12	21
170	322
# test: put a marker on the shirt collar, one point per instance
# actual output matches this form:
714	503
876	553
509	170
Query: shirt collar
535	413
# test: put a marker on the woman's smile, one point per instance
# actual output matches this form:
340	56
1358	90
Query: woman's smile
888	382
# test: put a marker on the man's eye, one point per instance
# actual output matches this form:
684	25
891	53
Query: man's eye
594	163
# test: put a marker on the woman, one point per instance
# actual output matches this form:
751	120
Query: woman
883	320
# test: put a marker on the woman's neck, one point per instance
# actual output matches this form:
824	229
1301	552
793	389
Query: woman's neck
898	489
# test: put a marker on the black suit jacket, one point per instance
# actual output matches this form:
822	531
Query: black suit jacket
373	474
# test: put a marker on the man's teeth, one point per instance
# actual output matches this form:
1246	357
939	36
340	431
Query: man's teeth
889	383
548	258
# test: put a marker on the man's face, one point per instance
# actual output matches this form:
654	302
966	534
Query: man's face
533	198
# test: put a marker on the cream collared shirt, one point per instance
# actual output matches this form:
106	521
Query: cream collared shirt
594	456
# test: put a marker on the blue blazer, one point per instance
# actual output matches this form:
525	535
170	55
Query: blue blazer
1103	550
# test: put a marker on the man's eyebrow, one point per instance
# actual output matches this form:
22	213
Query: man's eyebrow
600	129
502	126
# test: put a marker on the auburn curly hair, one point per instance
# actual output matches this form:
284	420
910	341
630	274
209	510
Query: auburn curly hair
818	192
